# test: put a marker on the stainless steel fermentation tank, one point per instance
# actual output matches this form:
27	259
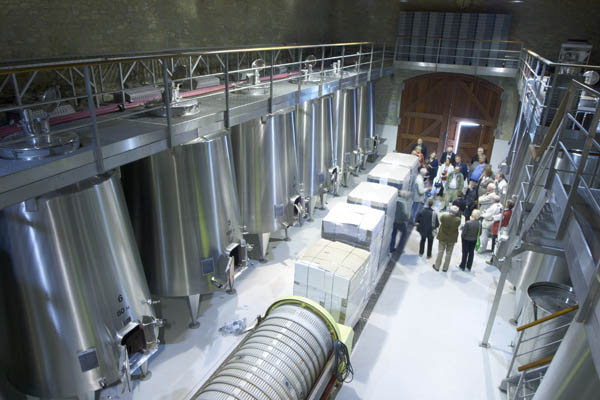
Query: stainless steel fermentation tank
345	133
266	171
80	316
366	142
531	267
184	209
315	151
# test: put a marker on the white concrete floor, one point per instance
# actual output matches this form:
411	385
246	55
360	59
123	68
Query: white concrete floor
422	338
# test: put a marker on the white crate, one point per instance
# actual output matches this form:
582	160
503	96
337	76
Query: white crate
402	160
381	197
386	174
336	275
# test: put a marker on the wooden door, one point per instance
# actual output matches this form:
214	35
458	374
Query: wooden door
432	106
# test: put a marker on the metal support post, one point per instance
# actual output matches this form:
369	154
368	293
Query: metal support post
371	61
515	353
505	266
322	72
92	110
299	76
358	65
15	84
382	60
94	85
271	83
226	116
122	84
342	67
167	99
73	88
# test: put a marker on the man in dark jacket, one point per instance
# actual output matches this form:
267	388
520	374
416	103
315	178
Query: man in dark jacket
464	169
400	222
447	237
480	152
470	200
460	202
423	147
428	222
470	233
449	154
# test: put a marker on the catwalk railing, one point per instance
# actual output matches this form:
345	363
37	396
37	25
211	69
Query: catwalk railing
91	94
457	51
524	384
556	184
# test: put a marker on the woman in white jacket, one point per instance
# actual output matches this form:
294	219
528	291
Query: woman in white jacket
442	175
491	214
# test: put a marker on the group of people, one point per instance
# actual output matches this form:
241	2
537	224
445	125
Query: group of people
473	192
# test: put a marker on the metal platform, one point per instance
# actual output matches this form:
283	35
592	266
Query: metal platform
120	137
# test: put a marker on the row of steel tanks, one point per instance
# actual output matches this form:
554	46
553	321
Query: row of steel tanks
87	265
354	126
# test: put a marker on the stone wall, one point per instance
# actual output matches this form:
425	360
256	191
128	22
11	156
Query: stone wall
42	28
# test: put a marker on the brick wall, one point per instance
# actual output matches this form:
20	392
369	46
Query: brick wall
43	28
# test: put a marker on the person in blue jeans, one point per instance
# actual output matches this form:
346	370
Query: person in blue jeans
418	194
400	224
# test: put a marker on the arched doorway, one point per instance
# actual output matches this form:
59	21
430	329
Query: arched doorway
434	105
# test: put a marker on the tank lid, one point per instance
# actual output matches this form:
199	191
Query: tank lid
551	297
23	146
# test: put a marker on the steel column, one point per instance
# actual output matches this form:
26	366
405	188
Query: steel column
92	109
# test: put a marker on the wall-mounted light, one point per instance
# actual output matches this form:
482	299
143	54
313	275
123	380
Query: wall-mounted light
460	126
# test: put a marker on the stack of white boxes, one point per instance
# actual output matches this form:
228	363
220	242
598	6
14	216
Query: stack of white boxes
409	161
384	198
334	274
359	226
392	175
402	160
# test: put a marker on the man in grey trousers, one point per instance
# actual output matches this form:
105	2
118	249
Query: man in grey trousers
447	236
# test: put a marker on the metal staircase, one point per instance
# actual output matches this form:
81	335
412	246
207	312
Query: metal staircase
555	180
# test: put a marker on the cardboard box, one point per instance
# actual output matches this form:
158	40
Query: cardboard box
384	198
360	226
336	276
402	160
396	176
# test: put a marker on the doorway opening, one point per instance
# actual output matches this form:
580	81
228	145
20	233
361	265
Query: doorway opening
467	139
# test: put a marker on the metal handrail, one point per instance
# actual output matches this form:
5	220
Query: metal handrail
547	318
43	64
